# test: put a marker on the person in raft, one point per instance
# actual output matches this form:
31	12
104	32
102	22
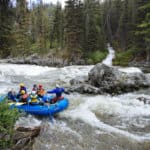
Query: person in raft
40	91
58	91
35	88
33	97
24	96
22	88
12	95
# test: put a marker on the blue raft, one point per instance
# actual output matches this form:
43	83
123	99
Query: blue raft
44	110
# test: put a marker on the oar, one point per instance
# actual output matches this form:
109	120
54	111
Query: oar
16	103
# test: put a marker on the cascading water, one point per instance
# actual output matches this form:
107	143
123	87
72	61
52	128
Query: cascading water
101	122
109	58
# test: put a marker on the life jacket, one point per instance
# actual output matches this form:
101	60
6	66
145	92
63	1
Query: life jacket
41	92
24	97
34	98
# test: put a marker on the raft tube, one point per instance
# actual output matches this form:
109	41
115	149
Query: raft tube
43	110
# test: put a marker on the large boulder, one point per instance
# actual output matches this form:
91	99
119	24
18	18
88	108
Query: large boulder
111	80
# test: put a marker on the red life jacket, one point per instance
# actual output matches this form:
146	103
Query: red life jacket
24	97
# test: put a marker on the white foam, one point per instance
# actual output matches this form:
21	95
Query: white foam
70	72
125	106
28	122
130	70
74	71
28	70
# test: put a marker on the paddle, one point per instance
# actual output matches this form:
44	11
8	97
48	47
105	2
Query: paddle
16	103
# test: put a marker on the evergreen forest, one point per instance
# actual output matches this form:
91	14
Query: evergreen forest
81	29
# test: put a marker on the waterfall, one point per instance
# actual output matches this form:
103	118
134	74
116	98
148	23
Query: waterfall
110	56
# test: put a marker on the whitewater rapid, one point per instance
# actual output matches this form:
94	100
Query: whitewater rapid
122	117
82	107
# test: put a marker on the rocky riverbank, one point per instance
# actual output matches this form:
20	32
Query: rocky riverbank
143	65
53	61
48	60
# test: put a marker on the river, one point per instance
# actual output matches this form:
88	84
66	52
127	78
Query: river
101	122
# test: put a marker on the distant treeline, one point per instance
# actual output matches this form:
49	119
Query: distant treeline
80	30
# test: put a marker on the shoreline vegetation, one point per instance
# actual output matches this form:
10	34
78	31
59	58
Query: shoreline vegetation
8	117
57	60
79	31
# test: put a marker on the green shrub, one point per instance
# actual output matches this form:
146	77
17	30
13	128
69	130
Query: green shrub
89	61
97	56
8	118
123	58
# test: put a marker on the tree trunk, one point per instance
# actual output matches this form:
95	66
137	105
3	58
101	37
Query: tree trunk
148	56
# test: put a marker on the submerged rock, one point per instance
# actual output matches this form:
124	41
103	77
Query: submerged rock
144	100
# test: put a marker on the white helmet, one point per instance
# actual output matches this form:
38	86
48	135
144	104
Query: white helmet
33	92
57	85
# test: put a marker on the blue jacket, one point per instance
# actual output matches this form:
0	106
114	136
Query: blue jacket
11	96
58	91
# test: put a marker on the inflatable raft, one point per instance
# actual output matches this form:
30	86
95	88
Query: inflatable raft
43	110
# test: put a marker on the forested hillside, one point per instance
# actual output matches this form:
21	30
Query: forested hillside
80	30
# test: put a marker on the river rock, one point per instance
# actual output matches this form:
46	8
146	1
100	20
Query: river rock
79	80
111	80
143	65
23	137
106	79
50	59
144	100
84	88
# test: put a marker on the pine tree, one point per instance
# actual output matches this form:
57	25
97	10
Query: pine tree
143	29
93	30
73	27
21	30
6	24
58	25
123	26
40	28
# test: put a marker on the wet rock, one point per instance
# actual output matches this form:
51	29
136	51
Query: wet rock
143	65
85	88
111	80
144	100
23	137
47	60
105	79
79	80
